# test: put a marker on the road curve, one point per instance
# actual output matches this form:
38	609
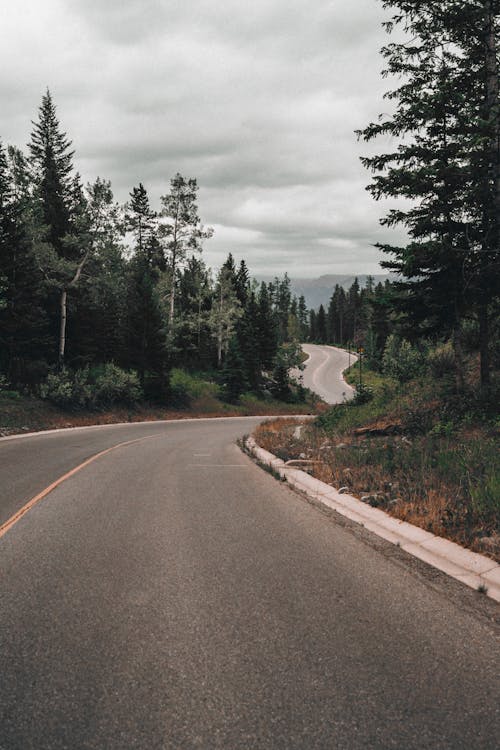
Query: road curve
172	595
323	372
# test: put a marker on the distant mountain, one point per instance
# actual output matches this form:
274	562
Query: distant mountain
318	291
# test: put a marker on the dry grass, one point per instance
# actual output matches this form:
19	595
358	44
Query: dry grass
445	485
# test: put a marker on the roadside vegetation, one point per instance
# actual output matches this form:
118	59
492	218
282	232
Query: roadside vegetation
94	399
412	447
421	437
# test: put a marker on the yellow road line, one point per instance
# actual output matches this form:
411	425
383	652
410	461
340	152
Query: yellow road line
4	528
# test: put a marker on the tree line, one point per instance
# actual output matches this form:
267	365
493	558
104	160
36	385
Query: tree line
85	282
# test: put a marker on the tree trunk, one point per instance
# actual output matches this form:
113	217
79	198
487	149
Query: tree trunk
491	218
219	347
459	359
484	348
171	309
493	111
62	328
171	301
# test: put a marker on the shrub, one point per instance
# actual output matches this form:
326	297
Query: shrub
83	389
363	394
186	387
67	389
441	361
113	385
401	360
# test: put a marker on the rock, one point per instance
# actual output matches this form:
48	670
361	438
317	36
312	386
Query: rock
373	499
302	455
490	544
297	432
339	446
344	490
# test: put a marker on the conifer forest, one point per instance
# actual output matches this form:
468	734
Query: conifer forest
93	292
95	295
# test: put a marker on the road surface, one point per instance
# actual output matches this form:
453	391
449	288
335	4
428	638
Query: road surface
323	372
172	595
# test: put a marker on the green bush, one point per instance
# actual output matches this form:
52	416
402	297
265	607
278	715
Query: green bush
85	389
112	385
67	389
186	387
363	394
401	360
441	361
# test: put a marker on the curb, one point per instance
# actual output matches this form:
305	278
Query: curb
475	570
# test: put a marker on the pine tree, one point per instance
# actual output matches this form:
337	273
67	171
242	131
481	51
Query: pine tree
182	231
282	300
266	328
226	311
313	328
337	313
303	319
242	283
23	322
447	163
321	334
52	164
145	338
233	373
192	331
248	341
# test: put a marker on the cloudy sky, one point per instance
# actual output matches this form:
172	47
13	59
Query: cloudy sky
257	100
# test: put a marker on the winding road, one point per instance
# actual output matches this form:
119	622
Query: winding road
323	372
170	594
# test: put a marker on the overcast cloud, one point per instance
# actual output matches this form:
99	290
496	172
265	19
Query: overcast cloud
257	101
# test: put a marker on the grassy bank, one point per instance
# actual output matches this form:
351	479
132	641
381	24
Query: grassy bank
422	455
192	396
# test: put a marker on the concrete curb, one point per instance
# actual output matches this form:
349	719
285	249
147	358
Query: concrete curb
475	570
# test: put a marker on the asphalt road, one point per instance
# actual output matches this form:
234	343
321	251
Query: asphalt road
173	595
323	372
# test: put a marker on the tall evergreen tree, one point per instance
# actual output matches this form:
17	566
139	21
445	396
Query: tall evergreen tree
182	231
242	283
52	163
226	311
446	163
303	319
23	323
145	329
194	301
248	341
321	334
266	328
